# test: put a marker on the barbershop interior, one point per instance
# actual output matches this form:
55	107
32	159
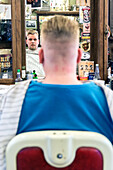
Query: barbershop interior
55	142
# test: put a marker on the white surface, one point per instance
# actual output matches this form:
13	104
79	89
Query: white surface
32	63
3	91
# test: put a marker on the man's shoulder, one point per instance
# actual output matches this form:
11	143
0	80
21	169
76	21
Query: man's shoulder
22	83
109	96
14	91
18	88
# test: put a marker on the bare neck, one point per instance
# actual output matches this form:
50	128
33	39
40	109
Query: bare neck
60	69
62	78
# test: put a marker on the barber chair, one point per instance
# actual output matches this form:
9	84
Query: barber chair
59	150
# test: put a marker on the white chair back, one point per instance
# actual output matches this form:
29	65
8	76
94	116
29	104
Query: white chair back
59	147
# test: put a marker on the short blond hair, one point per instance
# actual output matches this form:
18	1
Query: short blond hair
61	28
32	32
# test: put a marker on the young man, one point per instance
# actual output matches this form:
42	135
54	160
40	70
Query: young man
60	101
32	40
32	57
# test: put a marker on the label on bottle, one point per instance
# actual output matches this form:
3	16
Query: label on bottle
23	74
5	76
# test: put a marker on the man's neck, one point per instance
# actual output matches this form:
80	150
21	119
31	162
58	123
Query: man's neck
32	51
67	79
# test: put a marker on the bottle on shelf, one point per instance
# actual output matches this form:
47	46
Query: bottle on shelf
109	75
29	75
5	74
35	76
97	74
18	79
23	73
34	72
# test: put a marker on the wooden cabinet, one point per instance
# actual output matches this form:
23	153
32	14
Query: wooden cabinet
99	38
17	45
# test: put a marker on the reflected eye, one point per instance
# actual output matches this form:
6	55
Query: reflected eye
30	39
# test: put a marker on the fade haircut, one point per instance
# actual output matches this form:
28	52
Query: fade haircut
60	28
32	32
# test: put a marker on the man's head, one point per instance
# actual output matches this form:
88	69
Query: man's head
60	42
32	39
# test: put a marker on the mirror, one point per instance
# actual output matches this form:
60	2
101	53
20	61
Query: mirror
38	11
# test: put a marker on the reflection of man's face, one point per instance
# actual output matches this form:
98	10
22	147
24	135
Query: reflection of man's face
29	1
32	41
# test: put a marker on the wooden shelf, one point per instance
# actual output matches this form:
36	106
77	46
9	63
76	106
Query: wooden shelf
67	13
7	81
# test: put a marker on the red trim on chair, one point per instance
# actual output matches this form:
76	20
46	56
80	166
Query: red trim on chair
33	159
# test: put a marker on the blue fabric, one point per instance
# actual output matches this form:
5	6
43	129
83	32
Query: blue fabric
67	107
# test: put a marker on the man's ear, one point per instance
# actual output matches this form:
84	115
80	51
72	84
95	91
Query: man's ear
79	55
41	56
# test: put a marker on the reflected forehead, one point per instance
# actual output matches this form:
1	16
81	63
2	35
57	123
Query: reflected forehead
32	36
